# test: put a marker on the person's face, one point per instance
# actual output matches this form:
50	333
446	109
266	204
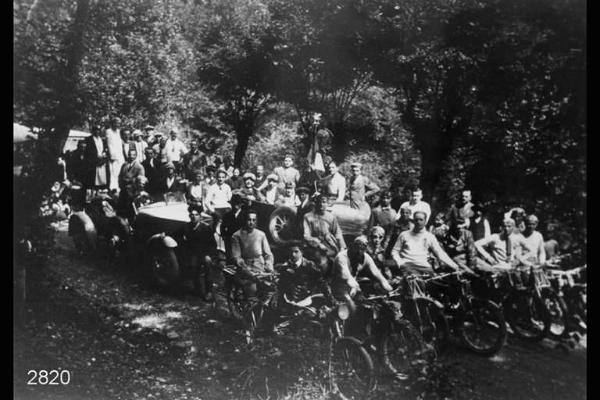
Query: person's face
439	220
132	155
251	221
198	178
386	200
126	135
249	183
416	196
507	227
194	216
419	221
287	162
150	153
289	192
376	238
236	172
211	175
173	135
466	196
163	141
303	196
332	168
170	172
355	171
221	177
321	205
272	183
194	145
295	254
531	223
260	170
405	214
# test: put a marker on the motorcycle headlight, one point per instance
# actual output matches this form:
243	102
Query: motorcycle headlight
343	312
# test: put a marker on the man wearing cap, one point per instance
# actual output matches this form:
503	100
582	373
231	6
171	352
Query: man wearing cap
272	191
115	152
384	215
289	197
251	253
287	173
360	187
170	182
353	263
321	229
193	160
249	192
175	148
300	277
218	195
140	145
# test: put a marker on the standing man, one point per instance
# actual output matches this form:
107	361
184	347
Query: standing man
175	149
480	226
271	192
534	241
170	182
384	215
140	145
96	154
335	184
287	173
231	222
463	208
192	161
289	197
417	204
151	170
261	179
360	187
130	171
115	152
218	195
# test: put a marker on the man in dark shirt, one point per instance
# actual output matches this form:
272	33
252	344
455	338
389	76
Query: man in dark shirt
232	222
152	170
201	249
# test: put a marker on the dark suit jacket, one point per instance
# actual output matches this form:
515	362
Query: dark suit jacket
153	174
177	186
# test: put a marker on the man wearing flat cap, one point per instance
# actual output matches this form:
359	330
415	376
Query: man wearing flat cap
360	187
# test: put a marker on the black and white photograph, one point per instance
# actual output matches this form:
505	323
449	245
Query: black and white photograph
299	199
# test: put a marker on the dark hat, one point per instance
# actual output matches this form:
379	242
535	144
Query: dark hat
149	128
169	165
249	175
303	189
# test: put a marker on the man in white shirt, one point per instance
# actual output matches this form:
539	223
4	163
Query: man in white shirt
175	148
115	152
534	241
287	173
416	204
218	195
140	145
335	184
414	246
504	250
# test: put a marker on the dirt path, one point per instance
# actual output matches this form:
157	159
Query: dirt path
120	340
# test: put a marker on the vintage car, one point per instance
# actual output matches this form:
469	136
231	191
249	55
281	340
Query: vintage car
151	242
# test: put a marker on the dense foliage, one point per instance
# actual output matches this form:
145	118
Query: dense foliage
487	94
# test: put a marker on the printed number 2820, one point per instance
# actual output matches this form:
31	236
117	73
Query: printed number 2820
52	377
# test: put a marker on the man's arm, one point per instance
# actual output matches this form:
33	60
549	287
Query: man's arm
208	199
267	255
236	250
396	251
487	231
337	232
437	250
480	246
341	187
342	271
377	273
372	188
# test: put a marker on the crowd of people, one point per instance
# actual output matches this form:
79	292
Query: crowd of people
137	167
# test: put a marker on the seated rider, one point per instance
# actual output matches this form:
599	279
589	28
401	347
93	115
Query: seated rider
354	263
413	247
300	277
534	241
375	248
504	250
198	239
251	254
459	244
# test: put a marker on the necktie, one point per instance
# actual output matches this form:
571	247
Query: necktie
508	248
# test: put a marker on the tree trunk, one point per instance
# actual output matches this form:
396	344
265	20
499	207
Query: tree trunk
243	138
339	142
